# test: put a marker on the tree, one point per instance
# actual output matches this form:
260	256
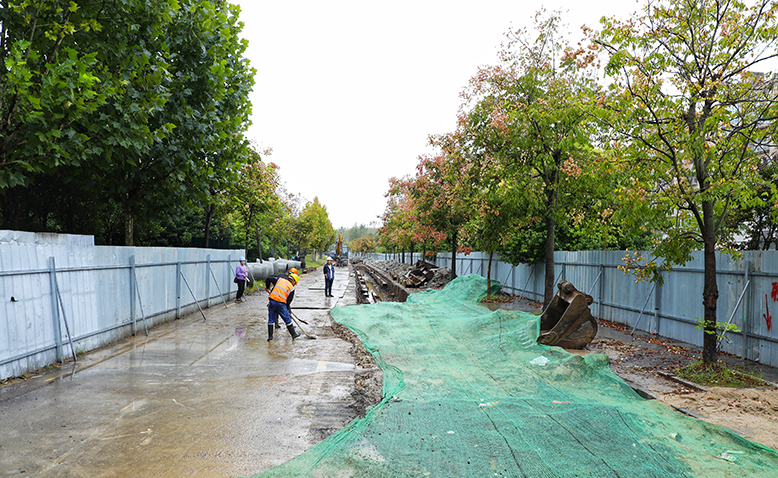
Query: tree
52	75
124	131
254	200
209	101
400	217
363	244
176	133
693	116
432	203
759	222
528	134
313	228
140	104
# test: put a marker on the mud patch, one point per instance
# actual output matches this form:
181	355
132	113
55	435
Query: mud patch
368	381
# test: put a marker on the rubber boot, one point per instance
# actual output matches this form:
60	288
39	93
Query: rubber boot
290	328
269	332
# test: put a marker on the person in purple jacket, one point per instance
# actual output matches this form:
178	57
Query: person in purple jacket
241	274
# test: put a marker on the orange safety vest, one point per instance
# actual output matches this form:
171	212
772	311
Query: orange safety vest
281	290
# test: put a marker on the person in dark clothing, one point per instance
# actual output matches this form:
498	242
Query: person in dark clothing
280	289
329	277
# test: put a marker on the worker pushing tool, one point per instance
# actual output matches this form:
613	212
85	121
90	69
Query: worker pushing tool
280	289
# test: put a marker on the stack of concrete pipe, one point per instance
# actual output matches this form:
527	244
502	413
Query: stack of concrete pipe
261	270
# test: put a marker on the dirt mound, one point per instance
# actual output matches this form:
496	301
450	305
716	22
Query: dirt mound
368	383
749	412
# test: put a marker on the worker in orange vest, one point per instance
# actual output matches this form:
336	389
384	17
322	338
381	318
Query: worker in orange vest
280	302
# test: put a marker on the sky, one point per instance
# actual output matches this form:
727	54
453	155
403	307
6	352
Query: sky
347	92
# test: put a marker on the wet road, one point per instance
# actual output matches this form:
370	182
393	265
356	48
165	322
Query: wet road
195	398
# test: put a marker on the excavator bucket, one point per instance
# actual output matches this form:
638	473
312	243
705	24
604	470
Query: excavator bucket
568	322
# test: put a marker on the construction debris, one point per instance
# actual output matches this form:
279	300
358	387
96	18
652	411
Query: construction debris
410	276
421	273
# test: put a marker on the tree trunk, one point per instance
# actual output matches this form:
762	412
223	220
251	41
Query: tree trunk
259	246
551	205
129	225
489	274
710	291
402	255
548	284
412	252
248	231
454	254
208	219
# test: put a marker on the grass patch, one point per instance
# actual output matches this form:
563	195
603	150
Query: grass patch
720	374
309	262
497	298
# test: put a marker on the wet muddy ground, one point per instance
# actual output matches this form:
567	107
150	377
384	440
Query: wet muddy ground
196	398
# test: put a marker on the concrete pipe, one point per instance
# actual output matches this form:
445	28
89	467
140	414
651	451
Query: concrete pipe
260	271
281	266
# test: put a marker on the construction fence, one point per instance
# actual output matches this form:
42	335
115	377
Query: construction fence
62	295
748	289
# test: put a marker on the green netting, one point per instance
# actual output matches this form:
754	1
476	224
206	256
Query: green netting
468	392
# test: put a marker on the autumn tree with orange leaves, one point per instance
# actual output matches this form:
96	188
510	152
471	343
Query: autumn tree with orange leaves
525	138
431	205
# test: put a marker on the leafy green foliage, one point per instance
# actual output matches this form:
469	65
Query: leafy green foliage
50	77
312	227
695	121
139	107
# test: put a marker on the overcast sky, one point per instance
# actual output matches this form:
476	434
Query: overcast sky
347	92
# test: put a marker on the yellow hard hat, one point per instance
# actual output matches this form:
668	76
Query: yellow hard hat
294	277
293	271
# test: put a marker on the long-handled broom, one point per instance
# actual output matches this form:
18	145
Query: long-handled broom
297	321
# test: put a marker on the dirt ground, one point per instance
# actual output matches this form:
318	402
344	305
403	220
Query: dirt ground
749	412
368	383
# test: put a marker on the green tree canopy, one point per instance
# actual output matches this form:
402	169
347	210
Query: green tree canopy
694	116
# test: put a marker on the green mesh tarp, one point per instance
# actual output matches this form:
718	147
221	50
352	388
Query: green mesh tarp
470	393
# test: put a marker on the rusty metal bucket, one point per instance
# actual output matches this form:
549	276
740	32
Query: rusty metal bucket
568	322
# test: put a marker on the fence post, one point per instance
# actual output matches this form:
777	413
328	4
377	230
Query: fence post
207	282
657	307
747	307
229	276
178	290
601	291
132	295
55	308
